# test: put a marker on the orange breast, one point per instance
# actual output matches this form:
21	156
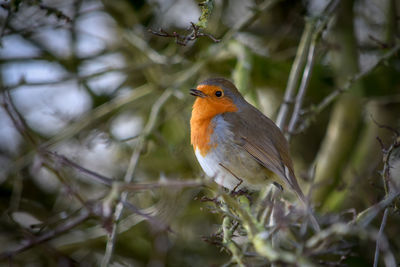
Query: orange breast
201	131
204	110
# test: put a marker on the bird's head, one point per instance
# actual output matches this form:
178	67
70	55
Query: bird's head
215	96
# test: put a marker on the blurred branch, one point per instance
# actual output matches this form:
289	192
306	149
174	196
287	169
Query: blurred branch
15	6
392	192
66	226
210	54
67	186
250	19
365	217
332	96
142	45
311	36
81	78
294	75
67	162
378	240
229	243
5	23
158	224
340	230
302	89
87	120
169	183
131	169
122	186
17	119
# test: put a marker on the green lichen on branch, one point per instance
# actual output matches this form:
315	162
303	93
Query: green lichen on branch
206	10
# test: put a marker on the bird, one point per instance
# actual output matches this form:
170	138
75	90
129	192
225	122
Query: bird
237	145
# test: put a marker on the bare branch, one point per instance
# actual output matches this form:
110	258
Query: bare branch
170	183
183	40
379	238
332	96
67	162
131	169
294	76
311	35
29	243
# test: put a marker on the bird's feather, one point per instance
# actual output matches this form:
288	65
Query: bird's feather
270	149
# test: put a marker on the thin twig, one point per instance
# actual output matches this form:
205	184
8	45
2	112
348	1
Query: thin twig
129	173
5	24
332	96
316	26
148	186
183	40
17	119
158	224
380	234
294	75
68	225
78	78
365	217
302	89
65	161
66	185
85	121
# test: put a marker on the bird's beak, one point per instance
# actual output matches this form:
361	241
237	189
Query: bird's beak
198	93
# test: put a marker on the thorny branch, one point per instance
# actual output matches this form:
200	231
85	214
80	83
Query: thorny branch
183	40
390	187
392	193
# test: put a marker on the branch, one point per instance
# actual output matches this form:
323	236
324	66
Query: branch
183	40
294	76
332	96
85	121
302	89
78	79
206	9
67	162
311	36
131	169
380	234
19	122
27	244
131	187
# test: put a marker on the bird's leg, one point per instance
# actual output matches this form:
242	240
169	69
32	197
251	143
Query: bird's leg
234	175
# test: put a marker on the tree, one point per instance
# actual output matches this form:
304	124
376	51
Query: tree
96	161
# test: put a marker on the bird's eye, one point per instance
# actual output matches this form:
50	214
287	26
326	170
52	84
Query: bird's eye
218	93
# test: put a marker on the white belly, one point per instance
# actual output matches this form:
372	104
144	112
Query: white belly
229	164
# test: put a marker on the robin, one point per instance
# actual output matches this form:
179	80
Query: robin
236	144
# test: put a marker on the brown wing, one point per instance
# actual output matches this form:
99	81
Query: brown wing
269	148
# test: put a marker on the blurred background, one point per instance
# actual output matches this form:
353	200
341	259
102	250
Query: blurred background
87	80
